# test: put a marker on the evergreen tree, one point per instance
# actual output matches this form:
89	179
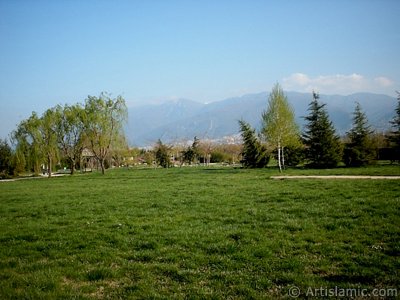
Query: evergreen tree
254	154
162	155
279	126
323	147
294	155
360	150
191	153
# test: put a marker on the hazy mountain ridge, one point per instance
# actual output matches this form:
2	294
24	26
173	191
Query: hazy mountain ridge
183	119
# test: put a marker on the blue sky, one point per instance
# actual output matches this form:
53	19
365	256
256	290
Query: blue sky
56	52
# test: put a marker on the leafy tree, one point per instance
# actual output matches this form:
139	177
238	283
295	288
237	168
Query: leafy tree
254	154
120	150
48	137
279	126
323	146
37	141
361	149
103	120
191	153
20	159
28	139
162	154
71	133
218	156
394	138
6	159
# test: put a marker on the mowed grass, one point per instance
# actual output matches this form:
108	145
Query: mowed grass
196	233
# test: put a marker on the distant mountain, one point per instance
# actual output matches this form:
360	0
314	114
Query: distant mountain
181	120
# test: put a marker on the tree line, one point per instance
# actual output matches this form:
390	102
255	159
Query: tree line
319	145
62	132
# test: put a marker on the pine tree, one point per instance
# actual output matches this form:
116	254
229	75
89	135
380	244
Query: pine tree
360	150
192	153
323	147
279	127
254	154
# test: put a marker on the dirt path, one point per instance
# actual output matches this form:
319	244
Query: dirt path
334	177
32	177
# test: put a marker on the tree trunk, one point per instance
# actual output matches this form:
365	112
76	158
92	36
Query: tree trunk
283	158
49	165
102	166
279	158
72	167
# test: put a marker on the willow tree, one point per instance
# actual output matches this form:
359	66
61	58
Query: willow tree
279	127
36	139
70	132
103	120
48	137
28	143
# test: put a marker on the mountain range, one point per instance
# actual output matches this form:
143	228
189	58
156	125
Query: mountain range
181	120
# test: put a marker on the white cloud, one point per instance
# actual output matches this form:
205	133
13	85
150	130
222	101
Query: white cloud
337	84
383	81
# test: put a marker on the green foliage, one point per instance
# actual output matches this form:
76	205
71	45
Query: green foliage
254	154
71	133
103	119
197	233
323	146
48	136
294	155
218	156
279	127
6	159
192	153
19	161
69	129
394	138
361	149
29	142
162	155
36	139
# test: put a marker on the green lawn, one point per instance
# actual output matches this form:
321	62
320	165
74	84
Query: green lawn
197	233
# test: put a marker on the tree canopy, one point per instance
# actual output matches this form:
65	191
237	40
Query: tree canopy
69	129
254	154
323	146
162	154
360	150
279	127
103	120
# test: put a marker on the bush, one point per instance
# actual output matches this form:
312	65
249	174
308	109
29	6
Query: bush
219	157
356	157
294	156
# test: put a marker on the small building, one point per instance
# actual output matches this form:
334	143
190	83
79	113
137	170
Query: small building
89	161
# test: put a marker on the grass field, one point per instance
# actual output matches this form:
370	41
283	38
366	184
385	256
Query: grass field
197	233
